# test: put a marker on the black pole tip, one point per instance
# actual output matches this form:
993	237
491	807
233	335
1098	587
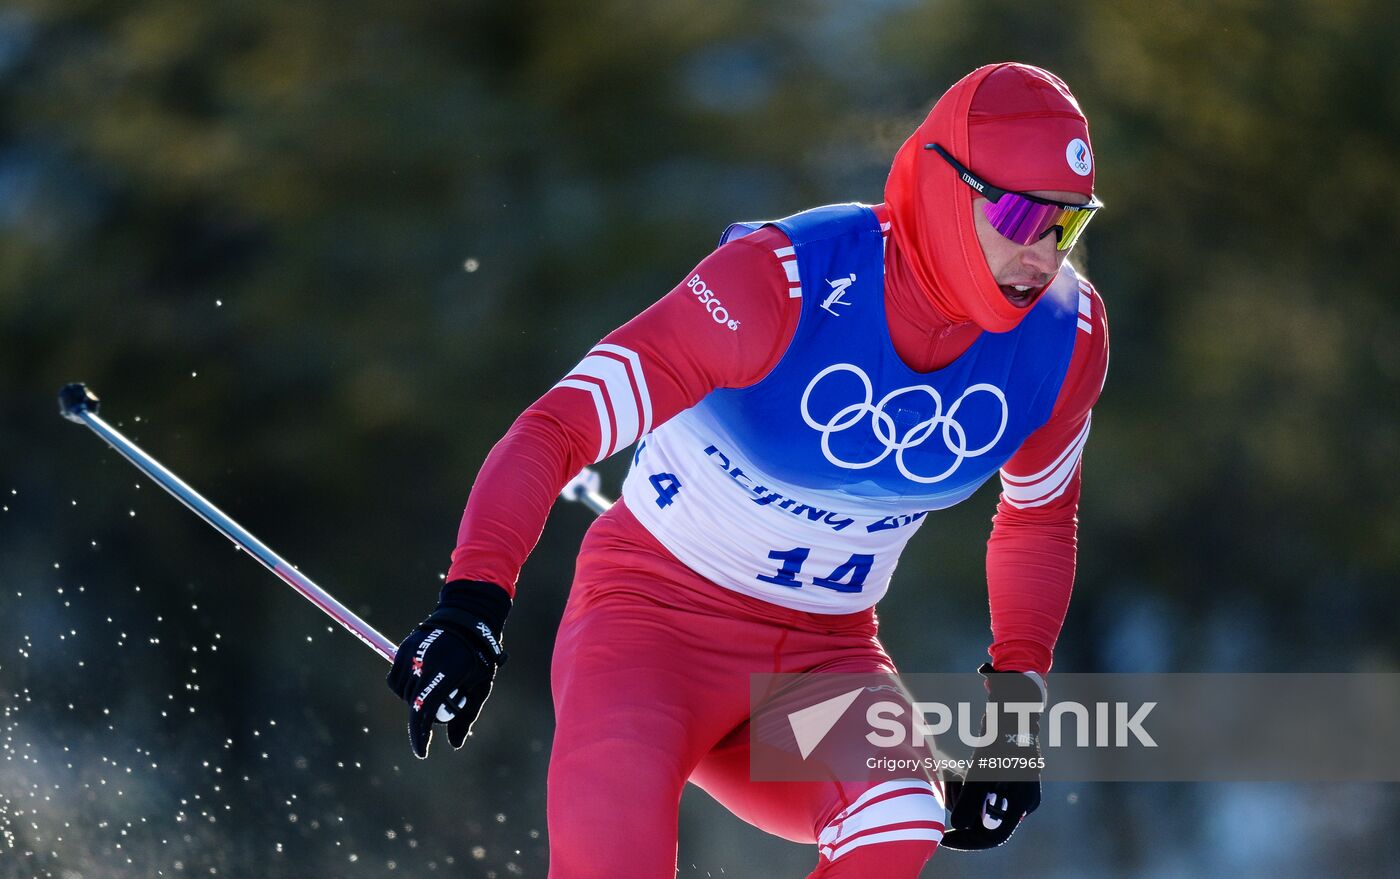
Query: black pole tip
74	400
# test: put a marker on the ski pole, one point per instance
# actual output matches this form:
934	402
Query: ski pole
78	404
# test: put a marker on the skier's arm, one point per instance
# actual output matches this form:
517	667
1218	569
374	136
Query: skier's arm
726	324
640	375
1031	552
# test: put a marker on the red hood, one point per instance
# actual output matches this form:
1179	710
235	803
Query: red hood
1021	125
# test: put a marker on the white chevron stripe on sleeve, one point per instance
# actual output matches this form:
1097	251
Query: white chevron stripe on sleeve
788	255
618	389
604	422
1086	311
614	375
1040	488
639	386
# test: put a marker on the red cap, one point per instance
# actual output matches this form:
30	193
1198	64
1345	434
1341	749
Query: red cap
1026	132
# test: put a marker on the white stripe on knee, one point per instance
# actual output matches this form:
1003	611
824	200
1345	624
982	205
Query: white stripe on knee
893	811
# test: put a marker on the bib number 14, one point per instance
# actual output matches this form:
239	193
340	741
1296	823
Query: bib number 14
848	576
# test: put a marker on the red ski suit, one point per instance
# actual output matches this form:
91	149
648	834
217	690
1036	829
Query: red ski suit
651	663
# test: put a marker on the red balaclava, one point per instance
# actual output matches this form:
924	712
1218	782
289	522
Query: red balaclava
1015	126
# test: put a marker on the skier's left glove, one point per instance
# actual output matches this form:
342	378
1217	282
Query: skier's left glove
1003	784
445	667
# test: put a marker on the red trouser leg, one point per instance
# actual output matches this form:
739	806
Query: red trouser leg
630	726
884	827
650	677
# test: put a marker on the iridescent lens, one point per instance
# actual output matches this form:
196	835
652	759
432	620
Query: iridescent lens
1072	226
1026	222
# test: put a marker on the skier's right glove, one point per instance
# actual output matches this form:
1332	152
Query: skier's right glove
445	667
1003	785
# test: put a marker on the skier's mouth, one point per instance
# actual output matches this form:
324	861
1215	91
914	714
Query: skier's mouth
1017	294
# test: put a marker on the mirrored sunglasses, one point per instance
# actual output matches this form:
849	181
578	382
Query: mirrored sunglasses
1025	219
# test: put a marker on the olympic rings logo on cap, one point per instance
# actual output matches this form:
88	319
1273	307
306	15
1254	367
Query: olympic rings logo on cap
949	428
1077	155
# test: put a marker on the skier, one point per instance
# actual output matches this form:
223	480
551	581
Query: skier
798	402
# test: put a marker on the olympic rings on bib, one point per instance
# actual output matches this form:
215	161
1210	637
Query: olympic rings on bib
883	426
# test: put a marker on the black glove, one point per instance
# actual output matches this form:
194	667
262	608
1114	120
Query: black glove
997	794
444	668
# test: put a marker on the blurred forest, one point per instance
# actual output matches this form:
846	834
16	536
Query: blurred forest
316	256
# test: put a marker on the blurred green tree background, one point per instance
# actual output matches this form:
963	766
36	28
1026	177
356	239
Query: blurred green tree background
316	257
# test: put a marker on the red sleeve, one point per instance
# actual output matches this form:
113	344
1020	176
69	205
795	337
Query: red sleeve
726	325
1031	553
